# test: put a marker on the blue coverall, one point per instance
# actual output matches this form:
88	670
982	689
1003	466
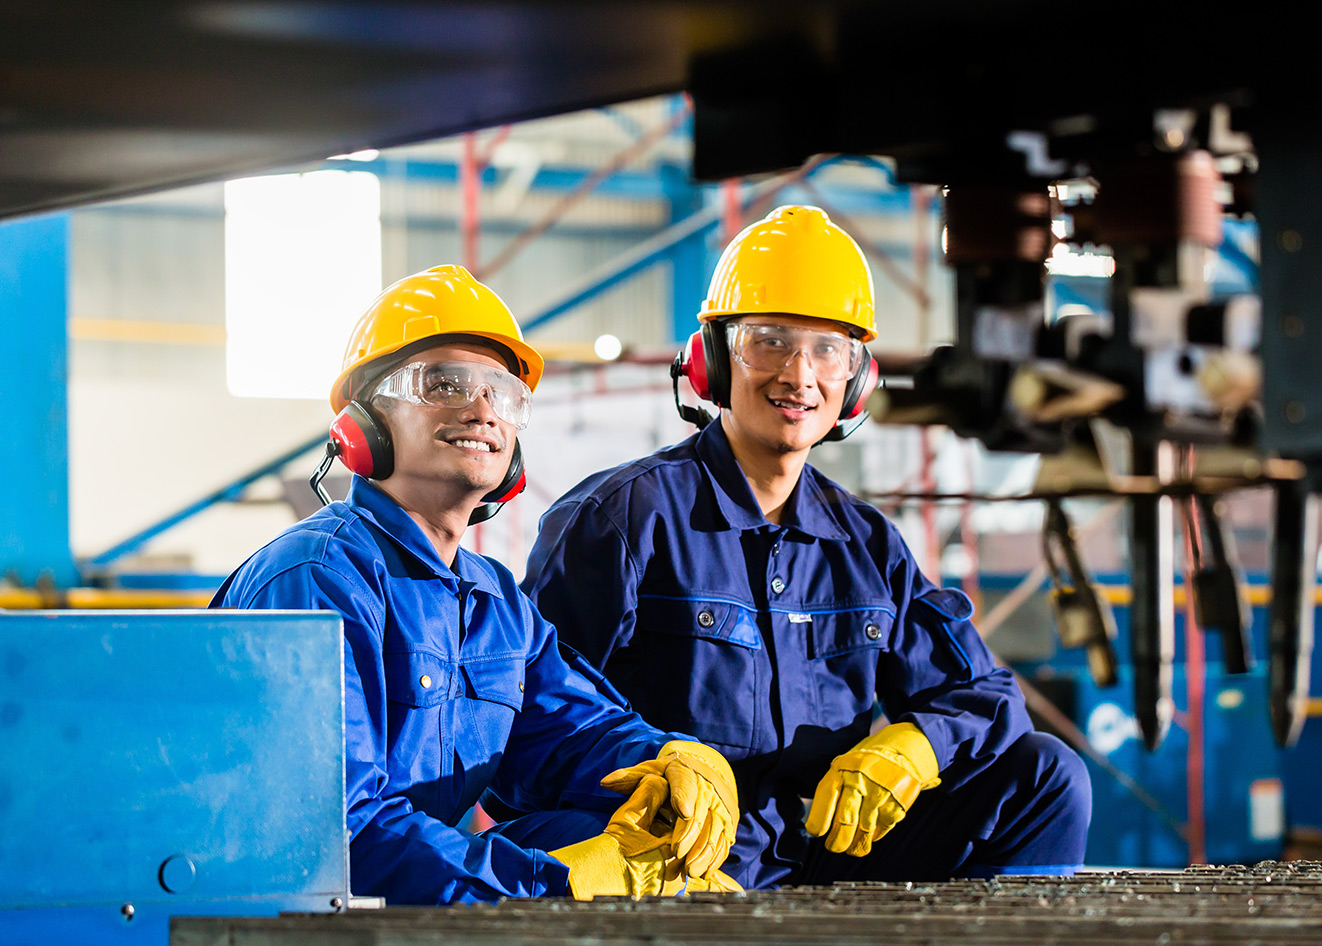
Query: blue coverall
453	685
771	644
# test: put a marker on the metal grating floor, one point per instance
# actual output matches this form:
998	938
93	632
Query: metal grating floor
1270	904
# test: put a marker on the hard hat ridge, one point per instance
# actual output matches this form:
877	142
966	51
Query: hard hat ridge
795	261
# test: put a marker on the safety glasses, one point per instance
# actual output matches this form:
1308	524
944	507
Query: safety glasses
831	355
457	384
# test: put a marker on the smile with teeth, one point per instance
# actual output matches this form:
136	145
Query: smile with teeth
791	405
474	445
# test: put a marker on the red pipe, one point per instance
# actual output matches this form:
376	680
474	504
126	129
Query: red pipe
970	537
733	220
468	188
469	183
1195	675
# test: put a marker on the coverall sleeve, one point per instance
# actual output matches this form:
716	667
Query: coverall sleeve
940	675
574	729
583	578
395	851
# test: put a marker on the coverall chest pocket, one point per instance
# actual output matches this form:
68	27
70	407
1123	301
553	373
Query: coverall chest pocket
844	648
697	669
420	692
492	698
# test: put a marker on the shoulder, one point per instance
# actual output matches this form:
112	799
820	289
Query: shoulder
333	540
858	517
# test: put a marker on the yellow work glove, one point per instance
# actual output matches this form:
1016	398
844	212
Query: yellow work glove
696	783
871	787
628	861
717	882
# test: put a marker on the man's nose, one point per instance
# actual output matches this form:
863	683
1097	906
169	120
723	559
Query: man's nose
798	371
480	408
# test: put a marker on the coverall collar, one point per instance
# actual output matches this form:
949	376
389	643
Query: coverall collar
807	510
373	504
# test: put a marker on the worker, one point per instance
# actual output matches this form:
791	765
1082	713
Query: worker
454	685
731	591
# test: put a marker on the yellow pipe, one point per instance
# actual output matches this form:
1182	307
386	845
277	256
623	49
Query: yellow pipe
27	599
129	330
1258	595
20	599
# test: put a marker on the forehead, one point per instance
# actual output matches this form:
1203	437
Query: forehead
796	321
478	354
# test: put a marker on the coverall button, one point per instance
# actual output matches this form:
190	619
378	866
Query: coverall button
777	585
425	681
873	631
706	618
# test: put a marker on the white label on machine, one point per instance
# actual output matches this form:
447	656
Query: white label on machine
1266	809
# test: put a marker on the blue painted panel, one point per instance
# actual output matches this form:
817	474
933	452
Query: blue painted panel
1239	760
34	444
131	738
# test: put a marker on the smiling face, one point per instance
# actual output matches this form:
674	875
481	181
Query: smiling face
782	411
460	453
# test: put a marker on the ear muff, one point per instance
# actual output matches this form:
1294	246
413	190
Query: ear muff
512	485
693	365
705	362
363	442
860	388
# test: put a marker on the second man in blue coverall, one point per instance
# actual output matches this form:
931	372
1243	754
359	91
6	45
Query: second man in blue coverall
454	685
731	591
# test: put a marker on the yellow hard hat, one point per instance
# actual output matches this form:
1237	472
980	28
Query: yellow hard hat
444	300
794	262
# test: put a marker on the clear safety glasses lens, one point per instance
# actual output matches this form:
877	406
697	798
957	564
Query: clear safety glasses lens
831	355
457	384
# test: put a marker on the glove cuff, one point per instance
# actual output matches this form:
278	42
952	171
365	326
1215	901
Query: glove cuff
711	765
905	745
597	867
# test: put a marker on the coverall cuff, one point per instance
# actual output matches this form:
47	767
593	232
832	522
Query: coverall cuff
550	878
907	741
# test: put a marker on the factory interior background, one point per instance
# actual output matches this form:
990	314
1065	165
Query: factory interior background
203	325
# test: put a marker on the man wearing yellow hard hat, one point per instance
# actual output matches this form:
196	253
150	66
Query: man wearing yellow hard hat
731	591
454	685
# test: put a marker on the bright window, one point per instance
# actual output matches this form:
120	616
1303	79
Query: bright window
302	263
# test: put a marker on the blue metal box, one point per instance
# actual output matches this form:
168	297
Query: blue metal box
156	764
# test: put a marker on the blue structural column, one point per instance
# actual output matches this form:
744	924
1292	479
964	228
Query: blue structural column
34	439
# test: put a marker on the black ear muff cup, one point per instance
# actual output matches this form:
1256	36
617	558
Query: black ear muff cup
716	361
363	441
860	388
512	485
515	479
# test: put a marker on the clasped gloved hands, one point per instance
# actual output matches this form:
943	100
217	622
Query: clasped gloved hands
870	788
672	833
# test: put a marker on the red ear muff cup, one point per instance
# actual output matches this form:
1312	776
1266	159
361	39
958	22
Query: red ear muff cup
515	479
860	389
716	358
364	442
694	365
